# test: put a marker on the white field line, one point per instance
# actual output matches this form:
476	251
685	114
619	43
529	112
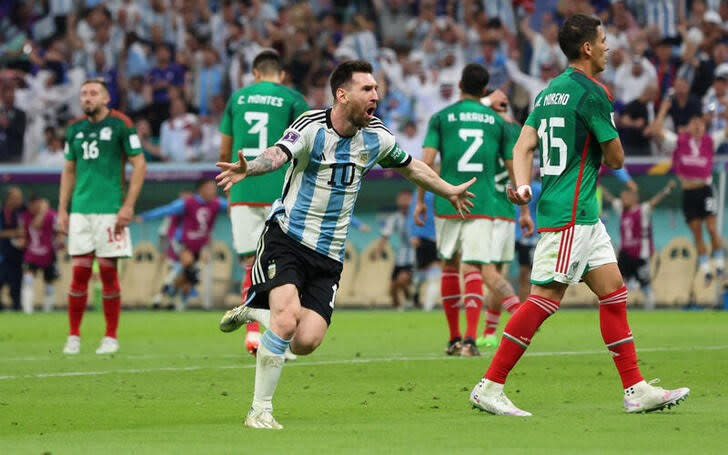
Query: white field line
336	362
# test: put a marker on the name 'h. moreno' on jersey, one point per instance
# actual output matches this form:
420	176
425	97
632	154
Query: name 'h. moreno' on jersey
323	181
100	151
470	138
256	116
572	116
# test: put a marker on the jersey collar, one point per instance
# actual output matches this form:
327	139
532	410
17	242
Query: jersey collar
330	125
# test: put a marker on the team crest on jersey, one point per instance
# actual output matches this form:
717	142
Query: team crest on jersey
291	136
271	270
363	157
79	135
105	134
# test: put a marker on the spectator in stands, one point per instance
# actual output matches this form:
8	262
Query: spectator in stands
360	41
494	61
209	80
662	16
180	136
11	256
684	105
545	46
632	78
715	103
392	19
418	27
101	68
164	75
51	152
666	66
633	121
533	85
12	125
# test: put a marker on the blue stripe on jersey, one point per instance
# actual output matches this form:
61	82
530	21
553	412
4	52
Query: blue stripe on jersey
297	217
371	143
336	198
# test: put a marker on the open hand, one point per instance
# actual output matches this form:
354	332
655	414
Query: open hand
460	197
231	173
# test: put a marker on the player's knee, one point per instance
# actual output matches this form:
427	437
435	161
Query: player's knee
306	343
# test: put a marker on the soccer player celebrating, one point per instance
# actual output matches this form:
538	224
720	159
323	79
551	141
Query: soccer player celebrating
197	214
97	148
299	256
572	125
471	139
256	116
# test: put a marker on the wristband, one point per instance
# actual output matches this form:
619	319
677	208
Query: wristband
524	191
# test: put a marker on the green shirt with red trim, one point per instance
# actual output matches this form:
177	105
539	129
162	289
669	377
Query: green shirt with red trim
502	207
572	116
470	139
100	150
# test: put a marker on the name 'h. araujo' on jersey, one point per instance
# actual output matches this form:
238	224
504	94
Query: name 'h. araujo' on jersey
325	176
572	116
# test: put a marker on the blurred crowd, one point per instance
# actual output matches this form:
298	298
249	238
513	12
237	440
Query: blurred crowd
171	64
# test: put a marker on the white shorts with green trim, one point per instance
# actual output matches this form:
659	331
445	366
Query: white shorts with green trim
94	233
566	256
503	241
247	222
478	240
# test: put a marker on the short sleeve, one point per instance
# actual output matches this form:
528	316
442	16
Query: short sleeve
532	119
598	114
67	150
432	137
298	137
226	122
132	143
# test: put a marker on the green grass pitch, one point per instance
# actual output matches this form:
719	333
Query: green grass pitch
380	383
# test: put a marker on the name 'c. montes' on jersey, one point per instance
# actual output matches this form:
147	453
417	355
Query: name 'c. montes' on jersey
256	116
570	155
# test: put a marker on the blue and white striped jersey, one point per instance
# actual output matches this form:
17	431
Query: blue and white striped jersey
323	181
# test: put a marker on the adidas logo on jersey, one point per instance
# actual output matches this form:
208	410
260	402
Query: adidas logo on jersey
79	135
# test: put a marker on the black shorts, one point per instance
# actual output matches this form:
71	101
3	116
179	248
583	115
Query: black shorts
699	203
281	260
632	267
50	273
401	268
425	254
525	253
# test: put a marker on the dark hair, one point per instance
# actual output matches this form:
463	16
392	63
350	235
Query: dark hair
577	30
202	182
474	79
96	80
343	72
267	62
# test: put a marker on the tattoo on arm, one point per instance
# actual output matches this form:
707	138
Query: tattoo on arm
268	161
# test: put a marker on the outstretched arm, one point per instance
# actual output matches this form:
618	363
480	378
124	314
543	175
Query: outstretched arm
231	173
423	176
420	212
662	194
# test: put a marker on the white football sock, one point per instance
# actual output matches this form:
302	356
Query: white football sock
268	367
50	297
27	294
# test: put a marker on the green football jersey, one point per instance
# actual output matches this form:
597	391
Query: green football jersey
572	116
256	117
100	151
504	209
470	138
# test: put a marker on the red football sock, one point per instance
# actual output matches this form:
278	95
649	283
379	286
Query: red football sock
517	335
473	302
492	317
77	295
450	292
510	304
618	336
247	282
111	294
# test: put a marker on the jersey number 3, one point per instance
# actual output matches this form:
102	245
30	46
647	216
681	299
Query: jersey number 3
550	141
258	122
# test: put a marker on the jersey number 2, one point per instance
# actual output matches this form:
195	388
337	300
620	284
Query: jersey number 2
464	163
548	142
258	122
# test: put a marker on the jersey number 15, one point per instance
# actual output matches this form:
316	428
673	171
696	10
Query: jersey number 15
551	141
